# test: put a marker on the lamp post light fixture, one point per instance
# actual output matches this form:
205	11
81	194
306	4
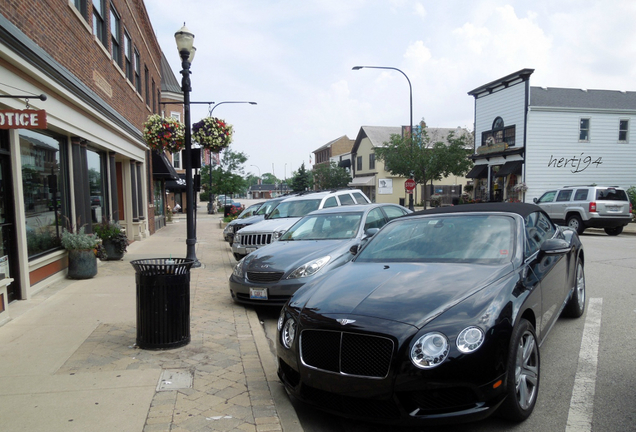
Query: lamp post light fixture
411	205
210	166
185	39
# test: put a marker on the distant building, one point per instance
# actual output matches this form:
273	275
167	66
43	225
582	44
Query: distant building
550	137
370	175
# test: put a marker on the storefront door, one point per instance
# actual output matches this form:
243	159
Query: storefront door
8	243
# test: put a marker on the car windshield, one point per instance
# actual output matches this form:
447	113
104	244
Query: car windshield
295	208
267	207
324	227
249	211
487	239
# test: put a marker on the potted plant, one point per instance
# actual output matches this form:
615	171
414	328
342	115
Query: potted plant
83	250
212	133
113	238
164	133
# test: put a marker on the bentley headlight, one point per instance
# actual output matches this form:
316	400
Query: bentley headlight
238	269
430	350
288	333
470	339
310	268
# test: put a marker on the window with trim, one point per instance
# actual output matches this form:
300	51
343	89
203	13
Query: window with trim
359	163
154	97
623	130
115	35
372	161
176	160
500	133
128	55
45	189
137	71
80	5
584	129
147	81
99	24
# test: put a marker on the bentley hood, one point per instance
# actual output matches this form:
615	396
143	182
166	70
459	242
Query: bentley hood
411	293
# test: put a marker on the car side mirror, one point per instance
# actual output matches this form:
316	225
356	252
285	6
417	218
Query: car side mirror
370	232
354	249
535	200
555	246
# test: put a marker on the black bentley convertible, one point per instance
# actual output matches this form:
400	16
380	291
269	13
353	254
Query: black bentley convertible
438	318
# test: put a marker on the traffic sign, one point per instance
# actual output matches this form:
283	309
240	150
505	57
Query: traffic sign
409	185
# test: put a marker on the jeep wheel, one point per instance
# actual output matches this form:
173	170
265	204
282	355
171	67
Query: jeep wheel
614	231
576	224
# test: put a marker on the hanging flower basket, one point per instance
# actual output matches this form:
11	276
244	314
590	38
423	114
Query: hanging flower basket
164	133
212	133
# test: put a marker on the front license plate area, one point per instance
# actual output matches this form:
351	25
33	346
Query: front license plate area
249	250
258	293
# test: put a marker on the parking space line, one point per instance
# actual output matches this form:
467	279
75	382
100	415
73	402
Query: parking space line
582	402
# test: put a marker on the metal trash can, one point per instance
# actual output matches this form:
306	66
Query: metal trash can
401	202
163	302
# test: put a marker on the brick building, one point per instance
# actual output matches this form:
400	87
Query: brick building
99	64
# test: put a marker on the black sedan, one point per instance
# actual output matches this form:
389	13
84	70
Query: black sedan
438	318
316	244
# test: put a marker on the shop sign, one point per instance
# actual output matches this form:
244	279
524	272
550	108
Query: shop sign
22	119
492	148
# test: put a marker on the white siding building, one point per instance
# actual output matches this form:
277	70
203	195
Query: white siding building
550	137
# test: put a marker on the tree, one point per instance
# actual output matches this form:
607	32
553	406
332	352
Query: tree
330	176
425	159
301	180
269	178
227	178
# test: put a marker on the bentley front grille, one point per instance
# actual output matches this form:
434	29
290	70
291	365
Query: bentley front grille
346	353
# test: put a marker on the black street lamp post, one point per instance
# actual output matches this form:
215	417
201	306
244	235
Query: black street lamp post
210	166
185	39
411	205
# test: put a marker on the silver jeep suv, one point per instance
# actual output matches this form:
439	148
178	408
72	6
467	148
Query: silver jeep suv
287	213
581	207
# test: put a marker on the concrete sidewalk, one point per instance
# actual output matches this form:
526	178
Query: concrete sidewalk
68	360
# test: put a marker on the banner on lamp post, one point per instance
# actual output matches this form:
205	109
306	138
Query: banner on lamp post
22	119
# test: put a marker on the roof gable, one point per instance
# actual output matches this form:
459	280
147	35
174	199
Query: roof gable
579	98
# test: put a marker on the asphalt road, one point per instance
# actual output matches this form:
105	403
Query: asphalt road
587	380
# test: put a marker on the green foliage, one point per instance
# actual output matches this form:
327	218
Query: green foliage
302	180
227	178
78	240
330	176
109	230
631	193
425	159
269	178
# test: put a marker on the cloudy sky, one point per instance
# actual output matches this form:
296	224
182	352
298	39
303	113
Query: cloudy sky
294	59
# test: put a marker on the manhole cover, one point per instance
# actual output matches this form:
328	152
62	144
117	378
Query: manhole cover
174	379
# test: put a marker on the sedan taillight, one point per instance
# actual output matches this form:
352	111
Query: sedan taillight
592	207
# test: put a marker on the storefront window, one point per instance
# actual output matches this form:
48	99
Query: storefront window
45	190
96	181
158	199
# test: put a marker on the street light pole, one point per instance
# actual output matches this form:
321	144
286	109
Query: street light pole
185	39
411	205
210	166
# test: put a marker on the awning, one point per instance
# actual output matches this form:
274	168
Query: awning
345	163
478	171
512	167
178	185
362	181
161	167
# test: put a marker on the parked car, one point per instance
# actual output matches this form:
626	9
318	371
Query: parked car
581	207
249	239
260	214
314	245
438	318
228	231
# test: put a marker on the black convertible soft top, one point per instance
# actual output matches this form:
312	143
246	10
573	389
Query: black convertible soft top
522	209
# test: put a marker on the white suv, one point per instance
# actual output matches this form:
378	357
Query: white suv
286	214
581	207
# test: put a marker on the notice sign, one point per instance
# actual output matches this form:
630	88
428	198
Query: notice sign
22	119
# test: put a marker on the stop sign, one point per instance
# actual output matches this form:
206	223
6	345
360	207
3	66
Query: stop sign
409	185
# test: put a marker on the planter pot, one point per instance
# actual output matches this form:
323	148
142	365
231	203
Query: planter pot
82	264
111	251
